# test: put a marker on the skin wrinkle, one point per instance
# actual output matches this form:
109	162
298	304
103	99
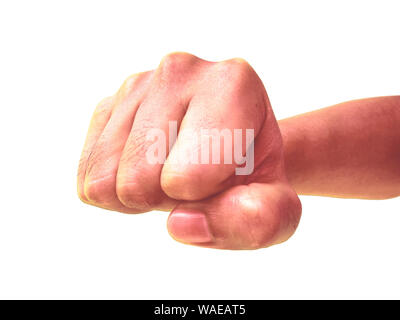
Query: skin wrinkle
99	179
87	150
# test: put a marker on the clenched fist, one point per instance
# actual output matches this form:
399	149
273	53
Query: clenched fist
212	205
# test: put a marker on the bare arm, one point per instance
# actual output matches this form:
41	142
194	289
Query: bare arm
350	150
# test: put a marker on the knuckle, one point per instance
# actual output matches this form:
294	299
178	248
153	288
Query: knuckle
238	63
169	185
131	82
93	191
103	107
128	84
241	87
180	186
124	192
131	196
237	66
175	63
237	72
176	58
100	190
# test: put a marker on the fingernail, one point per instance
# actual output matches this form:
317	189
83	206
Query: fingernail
189	227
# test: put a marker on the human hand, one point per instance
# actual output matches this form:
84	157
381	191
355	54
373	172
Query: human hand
212	205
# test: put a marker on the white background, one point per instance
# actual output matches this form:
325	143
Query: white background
59	58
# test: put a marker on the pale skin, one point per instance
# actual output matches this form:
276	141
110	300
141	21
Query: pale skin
350	150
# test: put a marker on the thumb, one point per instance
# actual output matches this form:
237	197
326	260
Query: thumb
243	217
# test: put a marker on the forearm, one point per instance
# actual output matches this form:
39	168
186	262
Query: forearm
350	150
